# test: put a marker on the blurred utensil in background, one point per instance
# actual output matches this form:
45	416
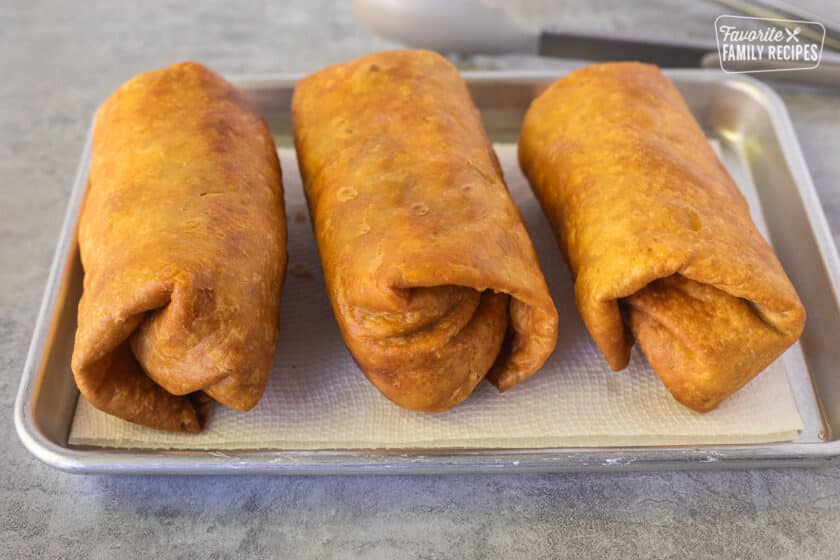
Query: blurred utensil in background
782	10
470	27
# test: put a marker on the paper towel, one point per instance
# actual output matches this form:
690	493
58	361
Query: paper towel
318	398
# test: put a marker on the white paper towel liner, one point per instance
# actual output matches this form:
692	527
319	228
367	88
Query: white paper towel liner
317	397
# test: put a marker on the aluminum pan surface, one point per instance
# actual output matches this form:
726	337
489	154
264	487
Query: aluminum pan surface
45	435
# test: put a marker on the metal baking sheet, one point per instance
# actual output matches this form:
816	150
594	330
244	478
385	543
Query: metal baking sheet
751	127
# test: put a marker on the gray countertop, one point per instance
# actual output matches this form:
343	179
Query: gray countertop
60	59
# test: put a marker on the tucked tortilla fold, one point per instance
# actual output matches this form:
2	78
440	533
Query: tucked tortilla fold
656	233
183	243
431	273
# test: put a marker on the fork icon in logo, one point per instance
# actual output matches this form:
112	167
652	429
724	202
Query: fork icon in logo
792	34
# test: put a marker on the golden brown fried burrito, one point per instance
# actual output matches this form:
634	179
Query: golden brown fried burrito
426	260
183	243
654	227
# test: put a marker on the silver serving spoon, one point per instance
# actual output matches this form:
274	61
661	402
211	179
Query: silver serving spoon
470	27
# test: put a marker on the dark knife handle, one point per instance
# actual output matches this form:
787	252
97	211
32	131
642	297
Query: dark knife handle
595	46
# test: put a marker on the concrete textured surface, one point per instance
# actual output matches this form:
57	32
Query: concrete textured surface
60	59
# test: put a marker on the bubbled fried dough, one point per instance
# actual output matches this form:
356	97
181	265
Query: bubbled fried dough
183	243
649	219
432	276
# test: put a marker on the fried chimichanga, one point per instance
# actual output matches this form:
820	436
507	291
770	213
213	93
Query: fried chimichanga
183	243
431	273
656	233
